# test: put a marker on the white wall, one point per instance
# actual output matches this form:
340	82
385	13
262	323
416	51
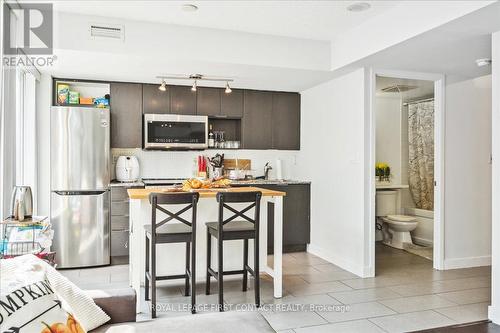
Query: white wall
332	157
467	206
388	118
494	310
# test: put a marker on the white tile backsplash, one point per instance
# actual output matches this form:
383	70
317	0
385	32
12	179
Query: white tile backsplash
180	164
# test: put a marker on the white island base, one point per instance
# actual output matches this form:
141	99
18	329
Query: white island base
171	257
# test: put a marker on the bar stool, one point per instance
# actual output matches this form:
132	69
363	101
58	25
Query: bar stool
163	233
228	229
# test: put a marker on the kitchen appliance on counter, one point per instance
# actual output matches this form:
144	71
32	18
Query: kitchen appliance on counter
175	132
80	177
21	202
127	169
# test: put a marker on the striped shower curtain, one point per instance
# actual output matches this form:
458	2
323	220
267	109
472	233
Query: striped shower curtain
421	152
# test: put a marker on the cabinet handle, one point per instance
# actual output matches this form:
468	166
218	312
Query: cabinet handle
221	116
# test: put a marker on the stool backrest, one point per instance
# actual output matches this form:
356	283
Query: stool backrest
252	198
157	199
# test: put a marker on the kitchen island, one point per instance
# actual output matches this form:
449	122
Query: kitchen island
171	257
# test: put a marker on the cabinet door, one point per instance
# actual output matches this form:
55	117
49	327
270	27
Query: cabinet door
232	104
296	217
257	118
208	101
154	100
286	121
126	115
182	100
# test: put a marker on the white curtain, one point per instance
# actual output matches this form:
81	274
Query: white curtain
421	153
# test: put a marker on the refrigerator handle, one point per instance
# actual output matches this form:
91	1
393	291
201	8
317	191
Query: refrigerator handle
81	192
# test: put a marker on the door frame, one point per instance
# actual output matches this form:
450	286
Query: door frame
439	150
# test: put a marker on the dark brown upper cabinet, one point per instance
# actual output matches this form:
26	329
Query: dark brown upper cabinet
286	121
182	100
208	101
257	120
126	115
154	100
232	104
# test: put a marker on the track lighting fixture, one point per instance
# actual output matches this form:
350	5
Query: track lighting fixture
196	78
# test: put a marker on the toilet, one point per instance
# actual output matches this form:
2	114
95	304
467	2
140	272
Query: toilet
395	228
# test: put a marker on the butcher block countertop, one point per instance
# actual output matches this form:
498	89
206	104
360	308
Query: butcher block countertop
143	193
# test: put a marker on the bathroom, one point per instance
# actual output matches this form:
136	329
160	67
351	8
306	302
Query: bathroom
404	152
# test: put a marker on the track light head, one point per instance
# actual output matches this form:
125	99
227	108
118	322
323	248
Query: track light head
163	86
228	88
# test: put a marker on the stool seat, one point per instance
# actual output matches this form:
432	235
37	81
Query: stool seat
232	226
170	228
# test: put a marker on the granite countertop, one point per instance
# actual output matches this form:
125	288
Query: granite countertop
269	182
115	183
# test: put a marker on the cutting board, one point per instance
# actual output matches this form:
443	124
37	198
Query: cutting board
241	164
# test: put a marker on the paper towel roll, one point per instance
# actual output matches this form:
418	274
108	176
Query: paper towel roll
279	169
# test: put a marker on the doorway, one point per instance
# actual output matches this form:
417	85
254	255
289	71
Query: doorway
406	152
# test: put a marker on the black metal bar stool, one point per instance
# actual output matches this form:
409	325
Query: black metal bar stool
162	233
229	229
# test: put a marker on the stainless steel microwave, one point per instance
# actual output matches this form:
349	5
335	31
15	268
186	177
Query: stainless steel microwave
175	132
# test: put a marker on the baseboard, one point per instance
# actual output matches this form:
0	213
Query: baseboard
494	314
467	262
342	263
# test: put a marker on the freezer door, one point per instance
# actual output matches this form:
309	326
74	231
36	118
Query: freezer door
79	148
81	224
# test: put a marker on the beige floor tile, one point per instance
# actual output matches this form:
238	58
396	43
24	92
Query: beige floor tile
364	295
307	258
416	303
356	326
375	282
318	288
321	299
328	268
318	277
298	269
410	322
415	289
466	313
357	311
292	320
468	296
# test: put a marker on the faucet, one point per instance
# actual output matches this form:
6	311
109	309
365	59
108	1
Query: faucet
267	167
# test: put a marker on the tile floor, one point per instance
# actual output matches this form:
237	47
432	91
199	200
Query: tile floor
406	294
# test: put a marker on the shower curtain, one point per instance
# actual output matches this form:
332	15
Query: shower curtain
421	153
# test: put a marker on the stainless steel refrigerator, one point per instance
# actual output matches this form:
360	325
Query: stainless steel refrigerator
80	176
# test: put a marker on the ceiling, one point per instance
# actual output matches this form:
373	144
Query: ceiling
422	88
450	49
318	20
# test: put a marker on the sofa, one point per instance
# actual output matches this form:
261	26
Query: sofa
120	305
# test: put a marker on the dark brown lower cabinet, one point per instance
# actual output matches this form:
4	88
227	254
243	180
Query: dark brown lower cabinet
296	217
120	224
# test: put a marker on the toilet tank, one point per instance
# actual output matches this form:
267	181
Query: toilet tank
385	203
